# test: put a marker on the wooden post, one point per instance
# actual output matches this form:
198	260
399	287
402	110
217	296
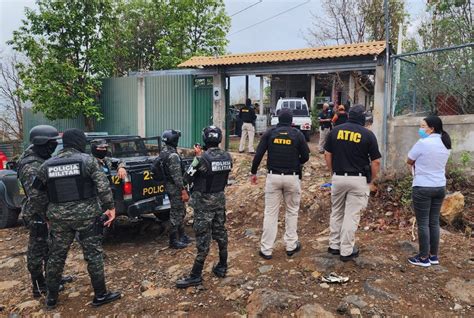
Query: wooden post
218	109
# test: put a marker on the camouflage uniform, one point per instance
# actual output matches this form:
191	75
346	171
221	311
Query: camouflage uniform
107	163
174	185
209	215
68	218
37	254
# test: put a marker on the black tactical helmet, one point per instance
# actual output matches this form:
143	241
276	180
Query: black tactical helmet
41	134
171	137
211	135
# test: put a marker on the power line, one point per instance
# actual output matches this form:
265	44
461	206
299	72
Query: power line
246	8
274	16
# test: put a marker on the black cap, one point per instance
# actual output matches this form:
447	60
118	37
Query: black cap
357	114
285	116
99	143
75	138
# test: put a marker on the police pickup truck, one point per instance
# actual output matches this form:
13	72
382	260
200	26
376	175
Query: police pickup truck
134	197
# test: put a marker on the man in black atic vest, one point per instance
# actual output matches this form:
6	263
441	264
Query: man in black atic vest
287	152
209	171
352	156
248	117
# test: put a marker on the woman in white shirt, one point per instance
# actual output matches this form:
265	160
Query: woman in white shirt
428	158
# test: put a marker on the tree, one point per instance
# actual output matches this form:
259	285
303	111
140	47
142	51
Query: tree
355	21
449	23
10	102
68	45
160	34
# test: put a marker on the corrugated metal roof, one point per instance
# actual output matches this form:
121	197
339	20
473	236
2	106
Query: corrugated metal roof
325	52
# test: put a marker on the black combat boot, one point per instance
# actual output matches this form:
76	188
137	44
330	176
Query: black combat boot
51	300
105	298
66	279
194	279
221	268
183	237
39	285
174	242
102	296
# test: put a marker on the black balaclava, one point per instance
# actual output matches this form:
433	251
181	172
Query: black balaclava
357	115
45	151
99	153
75	138
285	117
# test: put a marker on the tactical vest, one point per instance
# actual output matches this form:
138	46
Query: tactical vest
283	154
217	169
164	156
67	179
246	115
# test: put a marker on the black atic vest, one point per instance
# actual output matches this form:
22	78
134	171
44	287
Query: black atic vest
67	179
214	179
283	155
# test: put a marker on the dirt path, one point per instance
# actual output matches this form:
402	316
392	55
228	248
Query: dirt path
382	283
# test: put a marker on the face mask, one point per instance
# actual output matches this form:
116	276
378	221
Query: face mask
99	153
422	133
52	144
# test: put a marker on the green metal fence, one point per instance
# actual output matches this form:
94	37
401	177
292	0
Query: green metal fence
118	102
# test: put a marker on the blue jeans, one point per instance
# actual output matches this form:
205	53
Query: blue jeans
427	205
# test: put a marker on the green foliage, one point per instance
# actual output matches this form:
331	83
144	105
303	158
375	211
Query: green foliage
72	44
160	34
68	47
457	172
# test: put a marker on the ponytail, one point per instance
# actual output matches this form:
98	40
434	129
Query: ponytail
446	139
435	122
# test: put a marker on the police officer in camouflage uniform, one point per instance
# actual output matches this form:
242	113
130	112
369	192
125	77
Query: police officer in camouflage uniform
67	187
99	151
209	172
175	188
43	143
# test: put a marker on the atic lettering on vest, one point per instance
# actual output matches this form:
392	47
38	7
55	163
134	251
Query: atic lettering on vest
348	135
282	141
245	110
68	170
217	166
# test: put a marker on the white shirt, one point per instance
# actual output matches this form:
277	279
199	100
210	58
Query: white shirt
430	156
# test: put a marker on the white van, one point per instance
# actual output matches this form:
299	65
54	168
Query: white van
301	114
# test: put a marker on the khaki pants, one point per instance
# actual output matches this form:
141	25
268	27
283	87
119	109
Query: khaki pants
323	135
247	130
349	196
288	188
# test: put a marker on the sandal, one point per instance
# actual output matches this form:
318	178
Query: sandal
334	278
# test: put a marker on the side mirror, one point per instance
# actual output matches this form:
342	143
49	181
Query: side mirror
12	165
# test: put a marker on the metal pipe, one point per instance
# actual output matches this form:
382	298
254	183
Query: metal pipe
434	50
386	91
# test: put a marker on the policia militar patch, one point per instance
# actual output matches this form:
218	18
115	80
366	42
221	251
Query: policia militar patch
67	170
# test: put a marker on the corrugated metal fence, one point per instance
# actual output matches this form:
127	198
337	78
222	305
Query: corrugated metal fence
172	101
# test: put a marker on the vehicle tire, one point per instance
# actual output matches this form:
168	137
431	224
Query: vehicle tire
8	217
307	135
163	216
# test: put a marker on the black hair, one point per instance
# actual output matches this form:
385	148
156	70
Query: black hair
435	122
248	102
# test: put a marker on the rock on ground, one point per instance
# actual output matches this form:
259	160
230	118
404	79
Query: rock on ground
262	299
313	310
452	208
461	289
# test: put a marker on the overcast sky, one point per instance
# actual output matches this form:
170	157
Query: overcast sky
286	31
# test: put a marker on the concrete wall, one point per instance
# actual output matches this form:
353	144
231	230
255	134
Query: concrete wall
403	134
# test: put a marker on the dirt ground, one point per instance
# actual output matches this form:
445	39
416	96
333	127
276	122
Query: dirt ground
381	282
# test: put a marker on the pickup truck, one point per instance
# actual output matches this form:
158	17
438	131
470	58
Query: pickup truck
136	196
301	114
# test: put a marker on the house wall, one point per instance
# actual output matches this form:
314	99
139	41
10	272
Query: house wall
403	134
